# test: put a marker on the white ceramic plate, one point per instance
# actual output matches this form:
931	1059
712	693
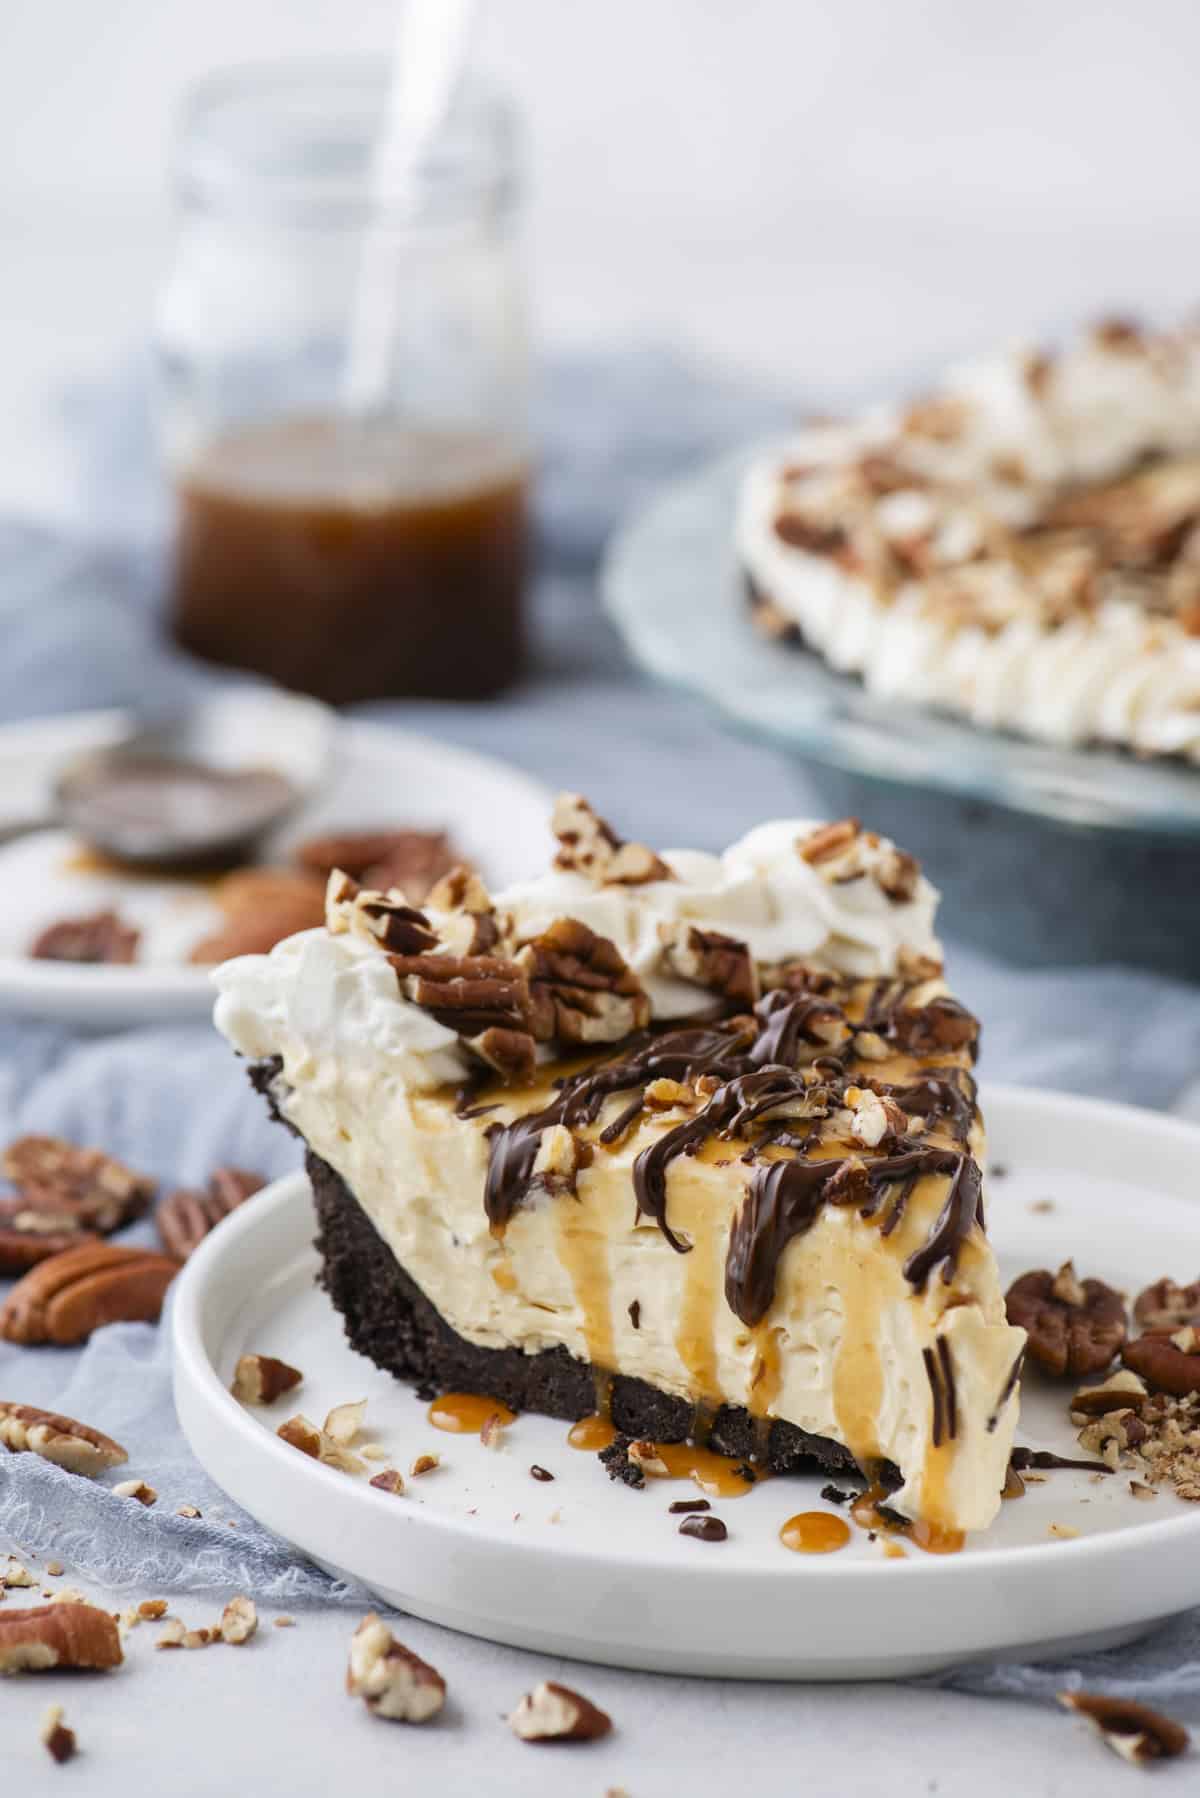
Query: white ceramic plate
379	775
592	1570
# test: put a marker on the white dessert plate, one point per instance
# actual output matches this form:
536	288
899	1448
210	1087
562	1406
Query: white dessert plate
675	591
589	1569
378	776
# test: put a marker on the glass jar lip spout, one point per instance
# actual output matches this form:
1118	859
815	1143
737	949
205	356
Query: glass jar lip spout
296	139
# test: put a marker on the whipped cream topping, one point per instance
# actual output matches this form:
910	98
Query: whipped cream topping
938	605
321	994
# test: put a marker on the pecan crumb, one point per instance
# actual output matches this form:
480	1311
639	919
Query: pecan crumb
59	1741
555	1713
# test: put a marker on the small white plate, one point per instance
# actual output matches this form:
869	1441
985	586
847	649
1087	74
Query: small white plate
585	1568
379	776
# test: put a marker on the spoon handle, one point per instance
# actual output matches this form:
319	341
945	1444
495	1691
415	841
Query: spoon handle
16	828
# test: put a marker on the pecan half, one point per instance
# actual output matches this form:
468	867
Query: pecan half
186	1217
28	1236
78	1636
1075	1326
101	938
1132	1730
581	989
63	1300
588	845
1166	1306
96	1190
1164	1364
721	964
24	1429
412	860
468	993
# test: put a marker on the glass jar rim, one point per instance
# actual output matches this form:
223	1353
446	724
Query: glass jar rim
295	137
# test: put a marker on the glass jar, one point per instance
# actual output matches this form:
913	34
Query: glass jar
344	378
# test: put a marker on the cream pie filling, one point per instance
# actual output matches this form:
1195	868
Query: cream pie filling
738	1293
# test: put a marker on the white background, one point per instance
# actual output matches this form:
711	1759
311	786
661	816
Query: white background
825	192
829	192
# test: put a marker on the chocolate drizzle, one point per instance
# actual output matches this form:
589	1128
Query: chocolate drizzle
939	1371
757	1089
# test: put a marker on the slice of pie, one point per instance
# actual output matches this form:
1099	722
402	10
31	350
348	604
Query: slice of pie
1022	547
692	1140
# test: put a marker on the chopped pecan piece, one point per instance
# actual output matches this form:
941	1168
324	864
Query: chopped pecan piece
391	1680
1078	1333
941	1023
554	1713
384	918
58	1740
100	938
828	840
719	963
24	1429
1166	1306
186	1217
588	845
94	1189
261	1379
412	860
63	1300
512	1053
468	993
1132	1730
581	989
462	894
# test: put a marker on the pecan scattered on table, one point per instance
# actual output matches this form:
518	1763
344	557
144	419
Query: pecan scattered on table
186	1217
64	1299
94	1190
1166	1306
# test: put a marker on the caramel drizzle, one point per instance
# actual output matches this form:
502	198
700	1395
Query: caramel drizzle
783	1198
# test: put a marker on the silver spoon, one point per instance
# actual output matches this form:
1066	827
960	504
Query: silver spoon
198	787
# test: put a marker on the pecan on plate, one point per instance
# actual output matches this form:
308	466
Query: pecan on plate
719	963
261	907
186	1217
581	989
1075	1326
100	938
1166	1363
24	1429
412	860
468	993
588	845
96	1190
1166	1306
64	1299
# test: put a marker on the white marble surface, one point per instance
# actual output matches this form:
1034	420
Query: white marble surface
273	1717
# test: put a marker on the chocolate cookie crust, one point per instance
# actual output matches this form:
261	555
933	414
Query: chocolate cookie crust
389	1319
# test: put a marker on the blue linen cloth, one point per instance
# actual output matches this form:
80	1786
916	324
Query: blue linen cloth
82	631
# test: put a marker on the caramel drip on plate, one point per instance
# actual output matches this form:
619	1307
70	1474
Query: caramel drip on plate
715	1474
815	1533
583	1251
592	1433
934	1538
465	1413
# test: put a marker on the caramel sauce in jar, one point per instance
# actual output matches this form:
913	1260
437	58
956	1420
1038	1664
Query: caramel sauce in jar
465	1413
815	1533
355	560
